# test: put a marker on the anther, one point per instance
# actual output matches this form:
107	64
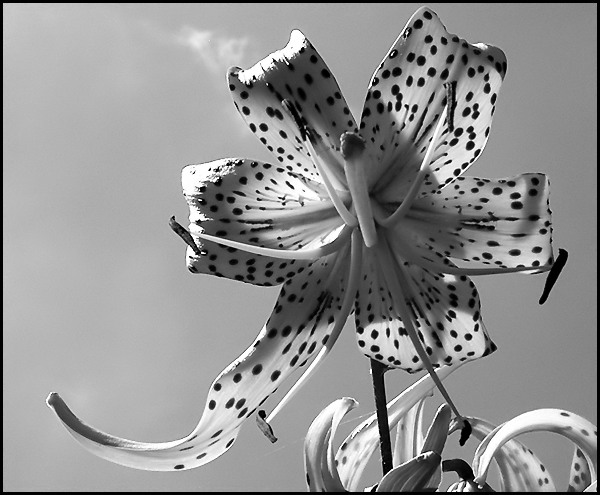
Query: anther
310	141
395	287
264	426
552	277
185	235
353	147
465	432
451	103
291	110
460	467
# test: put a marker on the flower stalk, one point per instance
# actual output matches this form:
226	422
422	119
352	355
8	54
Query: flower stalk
385	444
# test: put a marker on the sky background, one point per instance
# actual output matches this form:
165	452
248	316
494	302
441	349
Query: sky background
104	104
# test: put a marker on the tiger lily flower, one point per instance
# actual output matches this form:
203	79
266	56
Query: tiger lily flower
417	458
367	218
520	469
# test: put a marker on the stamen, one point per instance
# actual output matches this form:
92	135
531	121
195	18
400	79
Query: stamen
353	147
316	141
308	138
398	295
460	467
264	426
552	278
290	109
286	254
465	432
185	235
346	308
423	172
444	265
451	103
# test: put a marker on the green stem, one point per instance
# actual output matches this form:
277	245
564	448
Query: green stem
377	371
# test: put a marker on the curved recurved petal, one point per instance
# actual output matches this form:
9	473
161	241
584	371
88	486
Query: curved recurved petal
501	223
580	476
409	434
319	459
408	93
258	204
358	447
296	73
570	425
444	309
304	314
520	469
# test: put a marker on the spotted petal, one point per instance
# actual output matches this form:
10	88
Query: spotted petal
570	425
500	223
407	94
304	315
257	204
359	446
520	469
409	434
580	476
296	73
444	309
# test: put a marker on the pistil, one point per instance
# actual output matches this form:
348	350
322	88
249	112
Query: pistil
353	148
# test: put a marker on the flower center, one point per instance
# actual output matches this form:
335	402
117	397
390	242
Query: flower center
353	148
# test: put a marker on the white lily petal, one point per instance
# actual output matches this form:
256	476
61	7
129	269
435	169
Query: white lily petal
245	215
407	94
576	428
409	434
580	475
412	476
319	461
299	74
520	469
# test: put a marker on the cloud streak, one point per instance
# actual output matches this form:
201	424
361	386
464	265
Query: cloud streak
215	51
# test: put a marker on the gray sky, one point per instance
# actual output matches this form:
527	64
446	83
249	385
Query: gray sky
103	106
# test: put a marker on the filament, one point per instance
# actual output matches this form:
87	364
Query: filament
423	172
346	309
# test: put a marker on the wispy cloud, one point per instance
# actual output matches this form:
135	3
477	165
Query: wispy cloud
216	52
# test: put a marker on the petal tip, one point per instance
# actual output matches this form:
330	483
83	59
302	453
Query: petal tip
297	36
233	71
